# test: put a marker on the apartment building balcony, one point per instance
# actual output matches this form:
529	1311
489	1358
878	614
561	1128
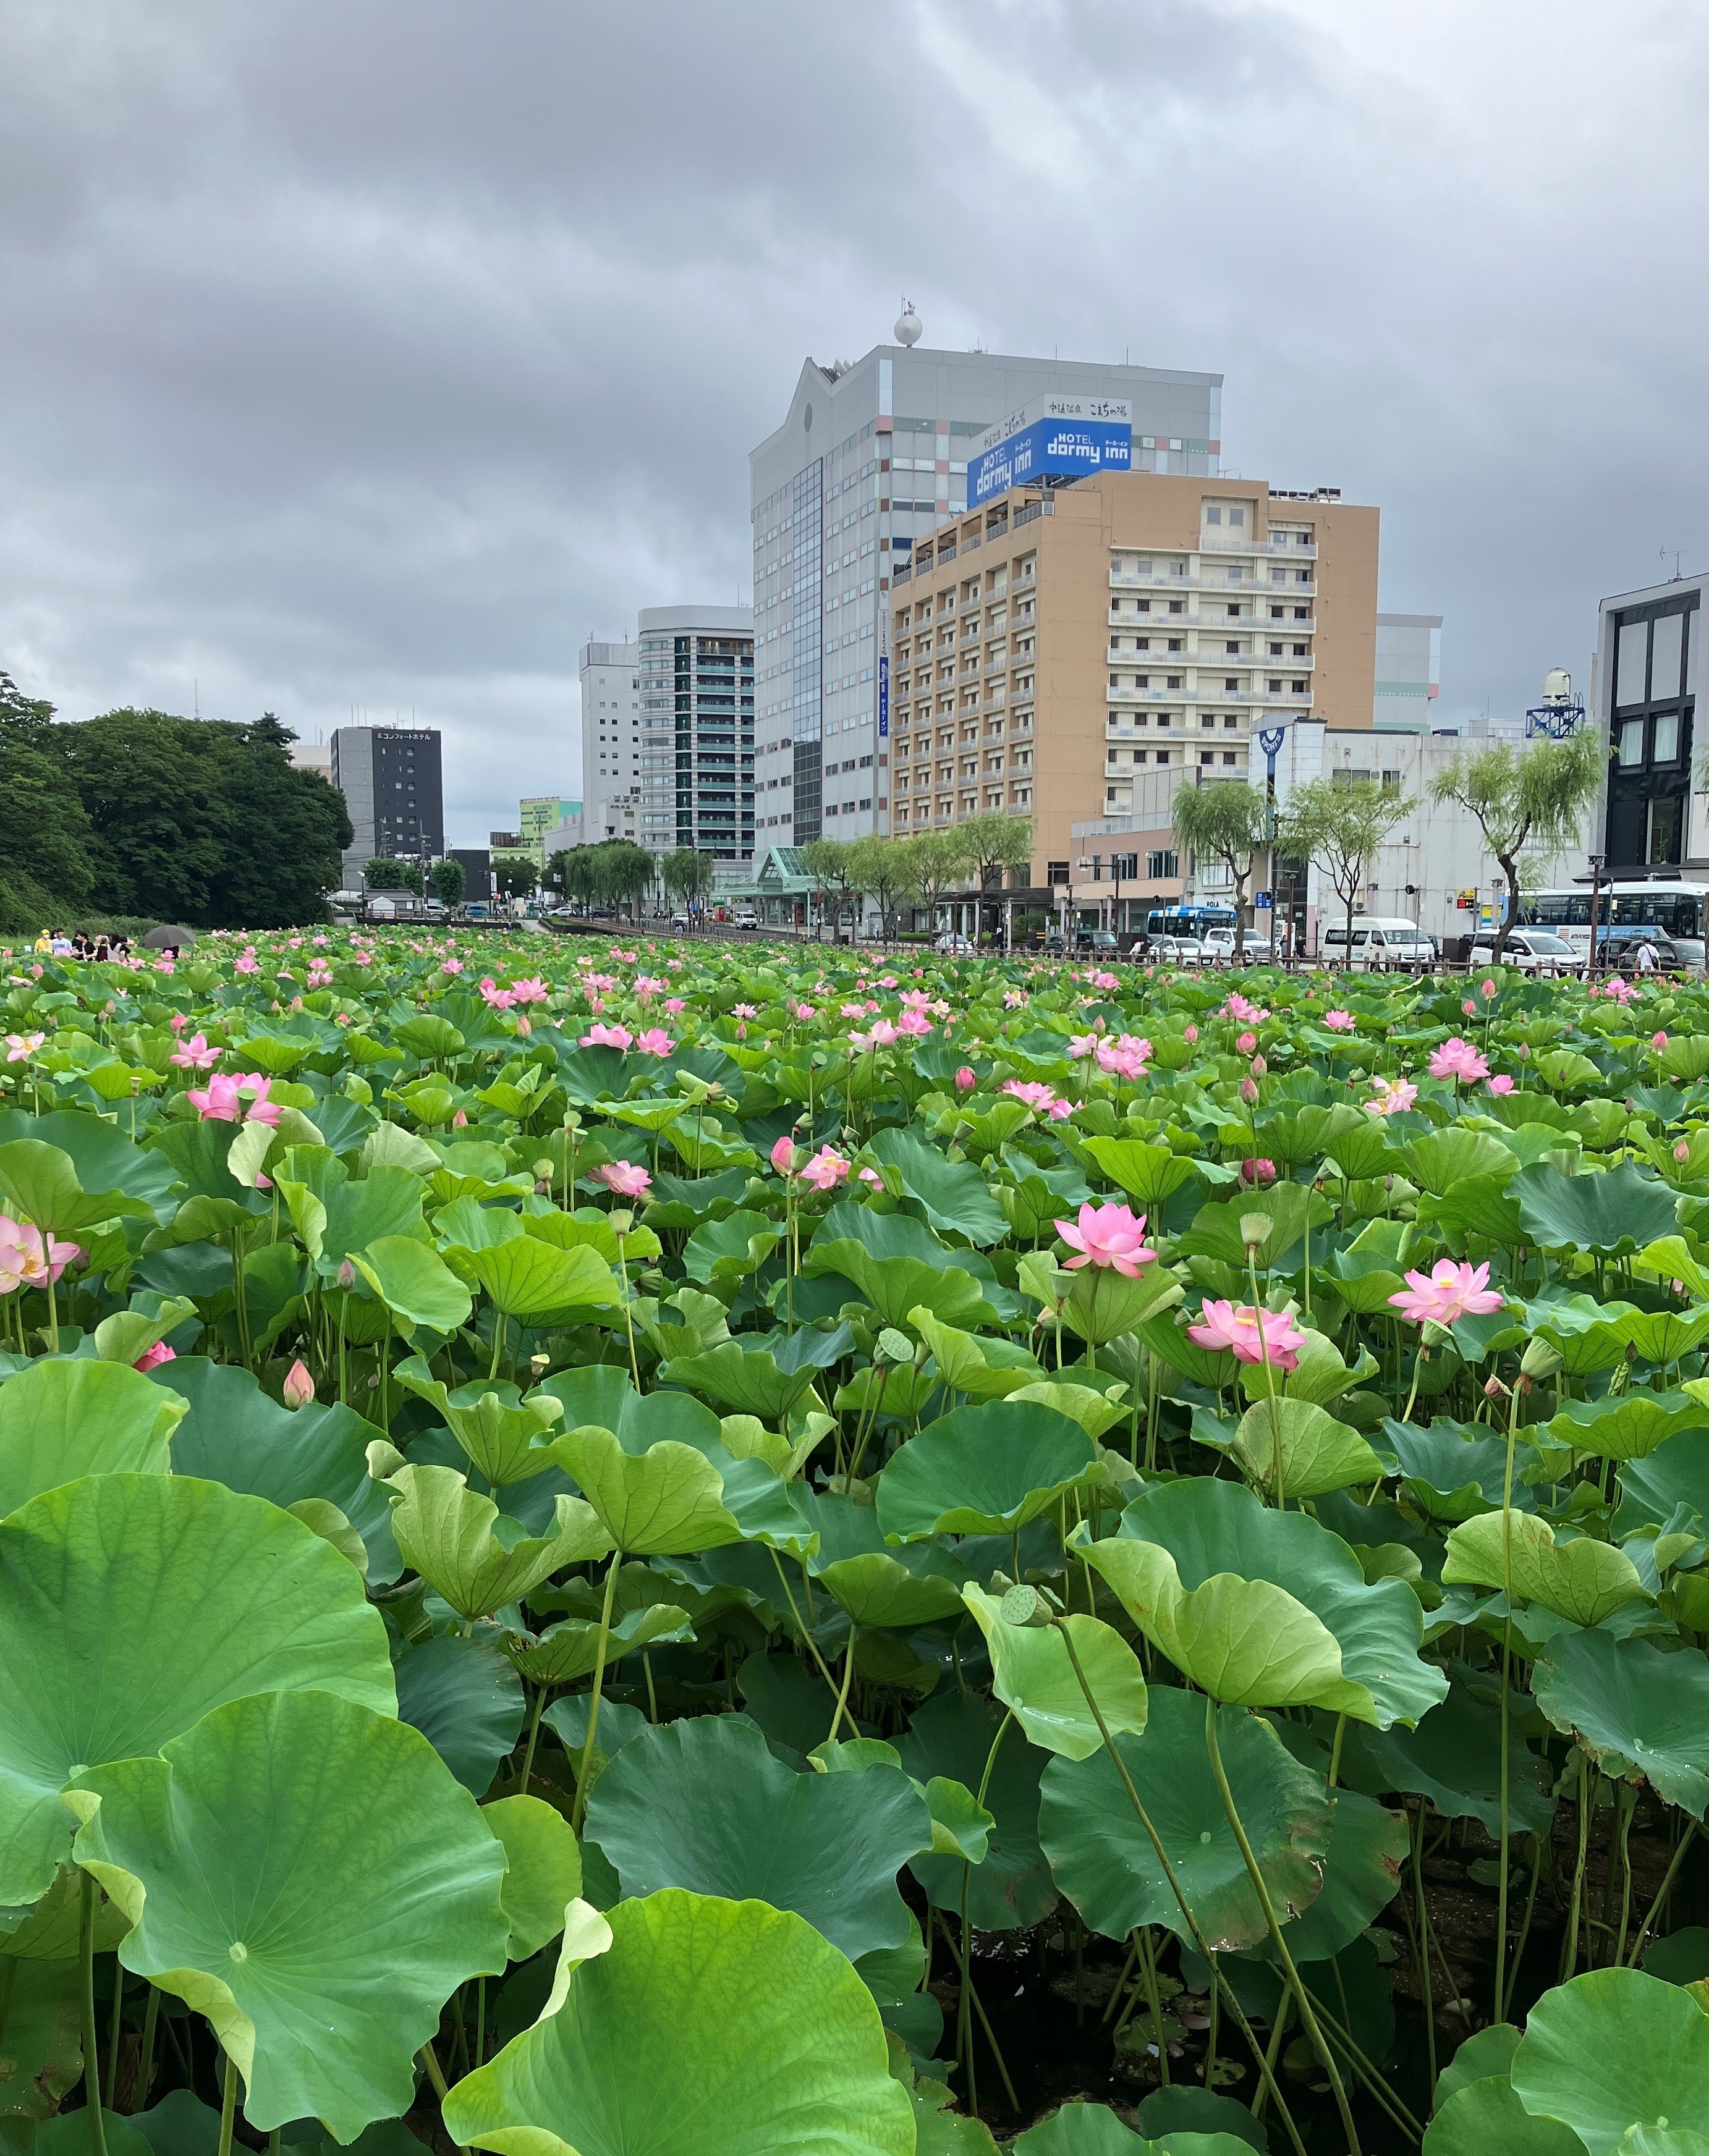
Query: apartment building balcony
1190	581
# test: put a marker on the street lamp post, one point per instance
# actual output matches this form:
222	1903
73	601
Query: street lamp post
1596	868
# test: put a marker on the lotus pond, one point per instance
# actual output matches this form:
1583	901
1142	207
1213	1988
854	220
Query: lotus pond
610	1548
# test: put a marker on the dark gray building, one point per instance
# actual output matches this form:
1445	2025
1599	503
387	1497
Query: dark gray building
391	779
1645	696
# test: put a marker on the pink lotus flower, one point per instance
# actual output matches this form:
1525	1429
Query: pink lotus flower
1623	992
1247	1043
608	1036
1107	1236
964	1079
1238	1007
1446	1292
1060	1111
1392	1097
219	1101
25	1260
1036	1097
871	1176
1189	1035
914	999
803	1011
1457	1059
246	964
151	1359
1258	1172
647	987
532	991
915	1024
826	1170
882	1034
655	1041
194	1054
1340	1021
1126	1056
625	1179
1501	1084
452	966
745	1010
1489	991
674	1006
1225	1325
1468	1007
1082	1045
852	1010
782	1155
298	1389
495	997
21	1046
177	1021
1013	998
1104	982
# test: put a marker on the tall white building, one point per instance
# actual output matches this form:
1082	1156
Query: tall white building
611	731
696	788
870	455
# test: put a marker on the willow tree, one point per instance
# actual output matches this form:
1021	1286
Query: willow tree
1339	824
1225	820
1533	797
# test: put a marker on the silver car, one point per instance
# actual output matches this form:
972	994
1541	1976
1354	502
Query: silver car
1537	950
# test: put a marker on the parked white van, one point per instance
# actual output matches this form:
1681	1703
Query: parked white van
1381	943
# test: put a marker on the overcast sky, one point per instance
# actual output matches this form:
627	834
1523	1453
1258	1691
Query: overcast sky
374	354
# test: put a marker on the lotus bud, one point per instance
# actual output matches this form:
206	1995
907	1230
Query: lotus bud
347	1275
1682	1153
524	1027
298	1389
782	1155
1255	1229
621	1223
539	1364
1658	1040
1260	1068
1190	1035
1249	1090
964	1079
1494	1389
1525	1051
460	1121
1468	1007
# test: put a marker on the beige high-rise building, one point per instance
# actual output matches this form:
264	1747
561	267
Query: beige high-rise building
1076	652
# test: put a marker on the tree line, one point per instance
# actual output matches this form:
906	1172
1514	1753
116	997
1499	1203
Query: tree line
144	814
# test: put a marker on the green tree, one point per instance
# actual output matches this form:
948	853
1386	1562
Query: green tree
1340	826
1534	797
448	882
161	826
286	831
997	844
878	867
688	874
516	874
383	873
827	861
45	865
1226	821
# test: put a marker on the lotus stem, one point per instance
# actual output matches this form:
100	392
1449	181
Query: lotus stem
91	2069
1269	1376
1662	1891
1334	1754
1424	1941
1536	1866
1569	1951
1506	1662
228	2109
145	2063
1266	2066
1254	1872
581	1777
533	1733
841	1709
1628	1807
1148	1962
241	1299
7	1983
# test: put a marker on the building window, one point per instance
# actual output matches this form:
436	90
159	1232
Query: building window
1163	865
1056	873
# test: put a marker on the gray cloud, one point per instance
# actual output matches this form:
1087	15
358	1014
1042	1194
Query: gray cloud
374	355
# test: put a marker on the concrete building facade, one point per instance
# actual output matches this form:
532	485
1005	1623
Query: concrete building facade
539	813
610	696
1057	652
1643	698
393	787
695	667
870	457
1408	671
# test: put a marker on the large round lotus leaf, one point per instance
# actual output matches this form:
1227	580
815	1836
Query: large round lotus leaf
48	1932
1170	2115
1486	2118
131	1605
1360	1875
1626	1426
1630	1701
667	1501
1614	2050
908	1584
43	2058
235	1434
1081	2129
489	1420
414	1283
528	1279
1103	1858
68	2135
1609	1213
543	1873
466	1552
1454	1758
699	2027
703	1805
1032	1675
983	1471
1319	1454
950	1738
602	1395
62	1419
1582	1580
466	1700
1266	1608
566	1651
306	1874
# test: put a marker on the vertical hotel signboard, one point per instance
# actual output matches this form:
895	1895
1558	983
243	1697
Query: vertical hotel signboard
1051	438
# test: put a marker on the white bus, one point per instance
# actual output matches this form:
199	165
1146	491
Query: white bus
1674	910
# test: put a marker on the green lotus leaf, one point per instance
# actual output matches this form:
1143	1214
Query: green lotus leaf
1167	1338
566	1651
1289	1206
238	1435
950	1739
1454	1758
132	1605
1634	1707
1485	2055
890	1247
1442	1159
1320	1373
103	1157
878	1591
415	1284
1199	1564
1094	1412
1662	1336
1612	2050
968	1363
1626	1426
983	1471
472	1557
1486	2116
1103	1860
1149	1172
732	1248
953	1198
1103	1304
652	2031
67	2134
49	1931
306	1874
1677	1473
1319	1454
667	1501
1610	1215
40	1183
1582	1580
1362	1870
62	1419
1192	2121
496	1427
466	1700
703	1804
384	1205
128	1334
763	1374
528	1279
1033	1676
543	1870
1084	2129
43	2058
1449	1473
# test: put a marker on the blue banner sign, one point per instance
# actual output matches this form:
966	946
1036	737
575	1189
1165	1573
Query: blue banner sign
1053	447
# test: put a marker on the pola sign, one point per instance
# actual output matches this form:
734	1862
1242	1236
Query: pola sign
1052	437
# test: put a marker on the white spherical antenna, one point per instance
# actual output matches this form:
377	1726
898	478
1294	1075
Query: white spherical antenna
1557	686
908	328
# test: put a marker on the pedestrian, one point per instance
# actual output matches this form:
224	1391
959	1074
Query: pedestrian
103	950
62	944
1648	955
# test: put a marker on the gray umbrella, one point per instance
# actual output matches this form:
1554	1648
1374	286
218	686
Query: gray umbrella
168	937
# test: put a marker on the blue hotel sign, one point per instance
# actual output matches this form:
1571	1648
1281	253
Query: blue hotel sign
1053	437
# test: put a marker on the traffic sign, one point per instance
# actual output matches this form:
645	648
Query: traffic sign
1262	902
